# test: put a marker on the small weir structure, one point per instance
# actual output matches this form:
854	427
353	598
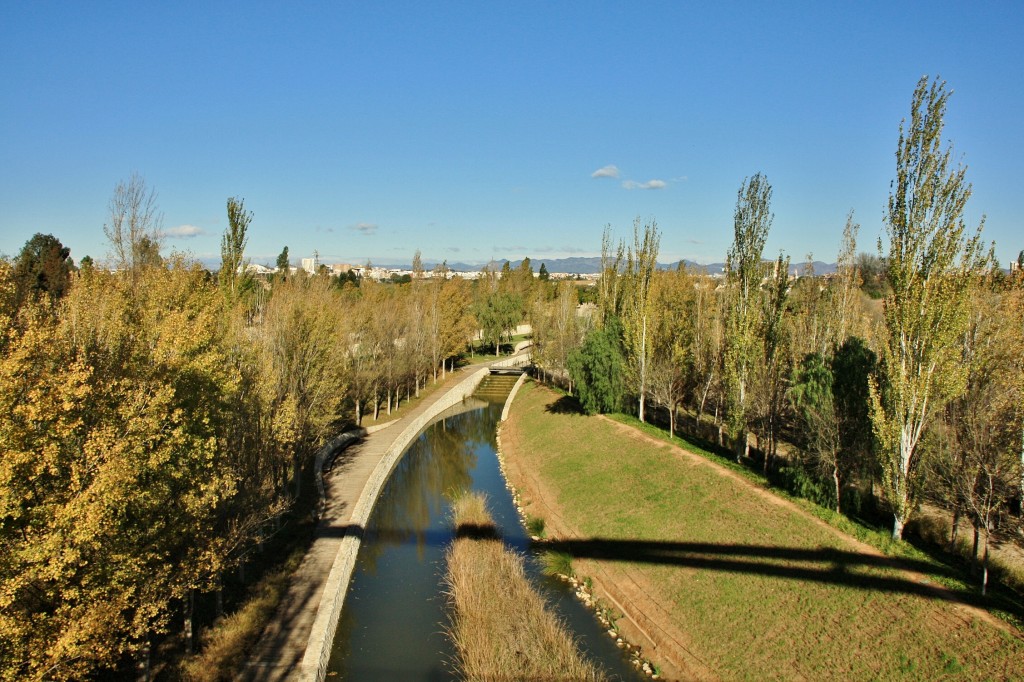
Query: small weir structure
496	386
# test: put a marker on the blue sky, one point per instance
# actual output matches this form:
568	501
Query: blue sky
474	130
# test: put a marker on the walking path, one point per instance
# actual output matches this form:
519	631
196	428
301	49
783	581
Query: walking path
295	645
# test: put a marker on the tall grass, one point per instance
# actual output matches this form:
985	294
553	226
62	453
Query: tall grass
556	563
499	623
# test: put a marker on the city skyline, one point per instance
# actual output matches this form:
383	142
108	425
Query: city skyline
473	133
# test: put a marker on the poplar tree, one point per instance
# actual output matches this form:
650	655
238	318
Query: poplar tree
774	368
744	272
931	263
609	286
417	265
641	261
232	246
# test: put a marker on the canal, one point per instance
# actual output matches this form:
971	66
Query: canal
393	623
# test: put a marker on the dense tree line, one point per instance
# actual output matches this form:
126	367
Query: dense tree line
899	377
157	422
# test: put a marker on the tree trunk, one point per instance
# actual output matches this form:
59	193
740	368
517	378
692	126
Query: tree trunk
672	422
1022	471
954	529
897	527
643	367
835	480
703	399
984	568
190	607
359	413
974	552
376	408
143	667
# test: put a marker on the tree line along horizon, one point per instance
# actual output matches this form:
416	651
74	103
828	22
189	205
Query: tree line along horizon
159	421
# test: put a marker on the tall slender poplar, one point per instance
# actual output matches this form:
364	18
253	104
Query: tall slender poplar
931	263
744	272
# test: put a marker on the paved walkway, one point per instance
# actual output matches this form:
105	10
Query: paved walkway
281	648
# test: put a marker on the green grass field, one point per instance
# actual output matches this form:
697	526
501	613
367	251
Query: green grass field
759	587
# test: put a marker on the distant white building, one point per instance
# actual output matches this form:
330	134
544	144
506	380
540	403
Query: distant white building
311	265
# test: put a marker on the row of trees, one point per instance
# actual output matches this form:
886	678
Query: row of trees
158	422
922	392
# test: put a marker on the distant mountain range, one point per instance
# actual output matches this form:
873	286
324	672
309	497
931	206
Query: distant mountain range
572	266
591	266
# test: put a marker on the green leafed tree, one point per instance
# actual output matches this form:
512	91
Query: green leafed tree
773	370
282	261
641	262
931	262
744	272
598	369
814	402
43	267
232	247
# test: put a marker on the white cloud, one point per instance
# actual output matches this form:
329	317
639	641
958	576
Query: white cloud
184	232
650	184
610	171
365	228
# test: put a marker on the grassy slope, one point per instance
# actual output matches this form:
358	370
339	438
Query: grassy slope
751	614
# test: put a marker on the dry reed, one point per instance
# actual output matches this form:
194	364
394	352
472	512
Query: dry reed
500	626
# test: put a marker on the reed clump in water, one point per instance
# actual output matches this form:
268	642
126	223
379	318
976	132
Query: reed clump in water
499	623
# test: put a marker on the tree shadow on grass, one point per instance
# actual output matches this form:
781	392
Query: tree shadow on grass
857	570
564	405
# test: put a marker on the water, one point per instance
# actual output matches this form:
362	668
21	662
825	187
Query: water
392	625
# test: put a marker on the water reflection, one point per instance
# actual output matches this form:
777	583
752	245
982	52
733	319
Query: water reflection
436	467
